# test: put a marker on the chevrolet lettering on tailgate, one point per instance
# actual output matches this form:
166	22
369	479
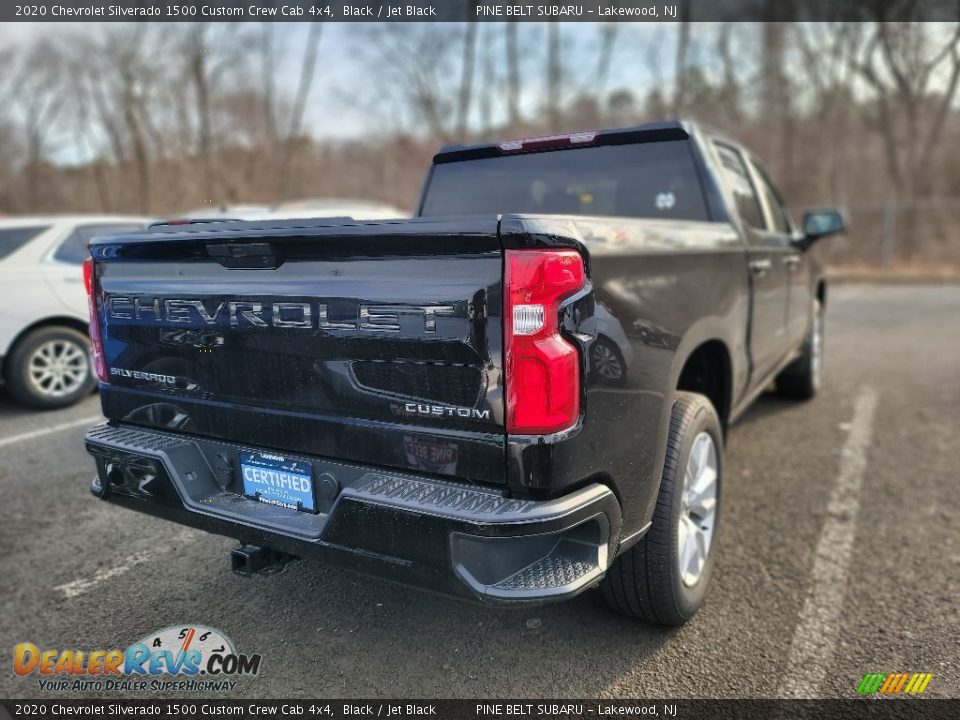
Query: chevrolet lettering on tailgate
264	314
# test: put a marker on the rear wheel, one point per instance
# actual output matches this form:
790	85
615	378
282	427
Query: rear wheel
607	362
801	378
664	577
50	368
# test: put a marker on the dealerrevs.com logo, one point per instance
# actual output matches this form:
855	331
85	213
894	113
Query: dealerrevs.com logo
178	658
897	683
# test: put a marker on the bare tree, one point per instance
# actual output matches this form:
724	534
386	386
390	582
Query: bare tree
416	73
8	161
307	70
775	104
8	79
554	75
731	90
111	93
903	64
465	94
268	71
488	84
513	74
83	131
131	93
210	52
608	40
35	94
826	73
680	68
197	58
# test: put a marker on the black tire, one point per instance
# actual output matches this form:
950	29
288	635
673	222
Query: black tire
45	395
800	380
646	581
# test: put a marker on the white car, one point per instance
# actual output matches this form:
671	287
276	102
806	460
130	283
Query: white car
229	212
301	210
44	351
333	207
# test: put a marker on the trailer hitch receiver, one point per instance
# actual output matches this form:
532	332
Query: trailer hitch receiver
249	560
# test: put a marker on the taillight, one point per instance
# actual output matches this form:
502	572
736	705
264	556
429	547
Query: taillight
96	341
542	368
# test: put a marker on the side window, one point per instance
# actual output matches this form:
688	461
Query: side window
779	221
74	248
748	207
15	238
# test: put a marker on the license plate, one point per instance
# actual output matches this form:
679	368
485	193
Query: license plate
277	480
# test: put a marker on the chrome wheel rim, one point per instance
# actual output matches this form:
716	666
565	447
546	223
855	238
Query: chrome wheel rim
816	344
698	509
606	362
58	368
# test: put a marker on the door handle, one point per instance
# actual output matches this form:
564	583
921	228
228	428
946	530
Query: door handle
760	267
791	261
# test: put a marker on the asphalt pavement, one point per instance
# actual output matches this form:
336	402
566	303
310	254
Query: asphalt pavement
839	555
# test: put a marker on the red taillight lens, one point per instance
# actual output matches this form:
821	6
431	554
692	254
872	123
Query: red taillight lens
542	368
96	341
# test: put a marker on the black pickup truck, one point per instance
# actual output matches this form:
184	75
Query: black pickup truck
519	394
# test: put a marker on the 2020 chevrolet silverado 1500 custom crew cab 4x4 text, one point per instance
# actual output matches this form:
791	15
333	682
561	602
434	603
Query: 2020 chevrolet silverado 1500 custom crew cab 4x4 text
516	395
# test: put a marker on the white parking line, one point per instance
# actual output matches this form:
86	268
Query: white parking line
815	637
90	420
79	587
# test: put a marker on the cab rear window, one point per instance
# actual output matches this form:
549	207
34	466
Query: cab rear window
12	239
646	180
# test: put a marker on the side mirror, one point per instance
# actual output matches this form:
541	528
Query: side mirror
819	224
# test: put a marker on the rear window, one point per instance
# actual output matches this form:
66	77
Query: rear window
748	206
648	180
13	239
74	248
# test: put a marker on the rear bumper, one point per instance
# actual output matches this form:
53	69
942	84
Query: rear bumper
454	538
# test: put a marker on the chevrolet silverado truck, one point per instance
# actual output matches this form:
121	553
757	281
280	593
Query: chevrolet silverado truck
519	394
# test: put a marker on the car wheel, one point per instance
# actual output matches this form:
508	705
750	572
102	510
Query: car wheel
50	368
663	579
801	378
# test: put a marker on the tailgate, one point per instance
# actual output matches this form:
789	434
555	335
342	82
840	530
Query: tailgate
374	343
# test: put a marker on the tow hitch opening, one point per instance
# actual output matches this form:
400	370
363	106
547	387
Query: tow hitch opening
249	560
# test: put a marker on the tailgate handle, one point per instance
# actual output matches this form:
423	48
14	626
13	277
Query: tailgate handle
245	256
